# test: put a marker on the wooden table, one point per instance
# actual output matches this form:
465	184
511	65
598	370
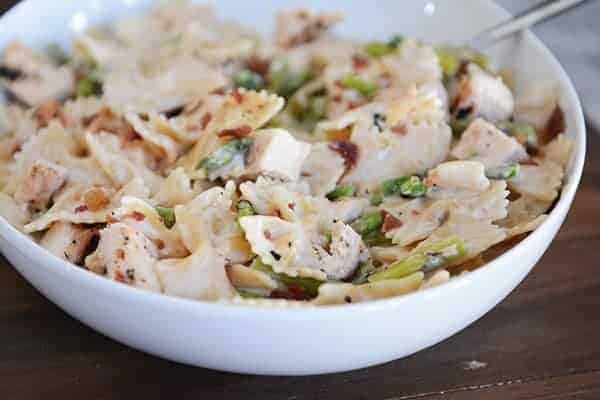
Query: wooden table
540	343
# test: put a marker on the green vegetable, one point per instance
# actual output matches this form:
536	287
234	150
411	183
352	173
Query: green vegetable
167	215
362	273
341	191
248	293
451	58
284	81
376	238
314	111
504	172
89	85
245	209
522	132
368	223
431	257
224	154
380	49
406	186
309	285
57	54
364	87
376	197
249	80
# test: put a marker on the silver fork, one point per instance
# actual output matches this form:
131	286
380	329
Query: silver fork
522	21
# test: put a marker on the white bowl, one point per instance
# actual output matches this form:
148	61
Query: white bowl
296	341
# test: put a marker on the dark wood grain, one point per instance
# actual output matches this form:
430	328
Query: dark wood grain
540	343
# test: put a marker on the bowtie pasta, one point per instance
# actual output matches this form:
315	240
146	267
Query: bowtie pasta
189	156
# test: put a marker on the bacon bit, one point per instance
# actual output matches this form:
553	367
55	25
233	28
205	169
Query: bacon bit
338	83
267	234
106	120
47	111
389	222
339	134
529	161
136	215
554	126
237	95
277	213
257	64
119	277
206	118
337	98
160	244
359	61
291	205
238	132
120	254
400	129
81	208
289	295
220	91
348	151
415	212
305	174
355	104
95	199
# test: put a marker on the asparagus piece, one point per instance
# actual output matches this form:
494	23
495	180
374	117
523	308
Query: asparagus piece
167	215
224	154
429	258
362	86
406	186
341	191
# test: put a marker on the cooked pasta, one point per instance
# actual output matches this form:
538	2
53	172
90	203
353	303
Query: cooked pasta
189	156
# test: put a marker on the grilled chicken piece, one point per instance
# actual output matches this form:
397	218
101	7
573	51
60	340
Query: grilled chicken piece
126	256
42	181
487	144
300	26
68	241
37	79
480	94
276	153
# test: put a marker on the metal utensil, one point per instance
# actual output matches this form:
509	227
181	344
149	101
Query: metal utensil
522	21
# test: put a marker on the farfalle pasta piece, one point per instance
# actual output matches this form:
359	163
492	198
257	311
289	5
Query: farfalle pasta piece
144	218
559	150
435	279
208	217
242	109
122	164
541	181
250	278
300	26
12	212
524	209
200	276
56	145
176	189
166	148
81	204
343	293
477	235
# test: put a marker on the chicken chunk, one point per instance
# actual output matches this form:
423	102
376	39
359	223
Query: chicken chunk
480	94
37	80
43	179
276	153
322	169
127	256
487	144
68	241
454	178
297	27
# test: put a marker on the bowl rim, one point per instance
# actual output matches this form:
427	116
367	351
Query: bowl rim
42	258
